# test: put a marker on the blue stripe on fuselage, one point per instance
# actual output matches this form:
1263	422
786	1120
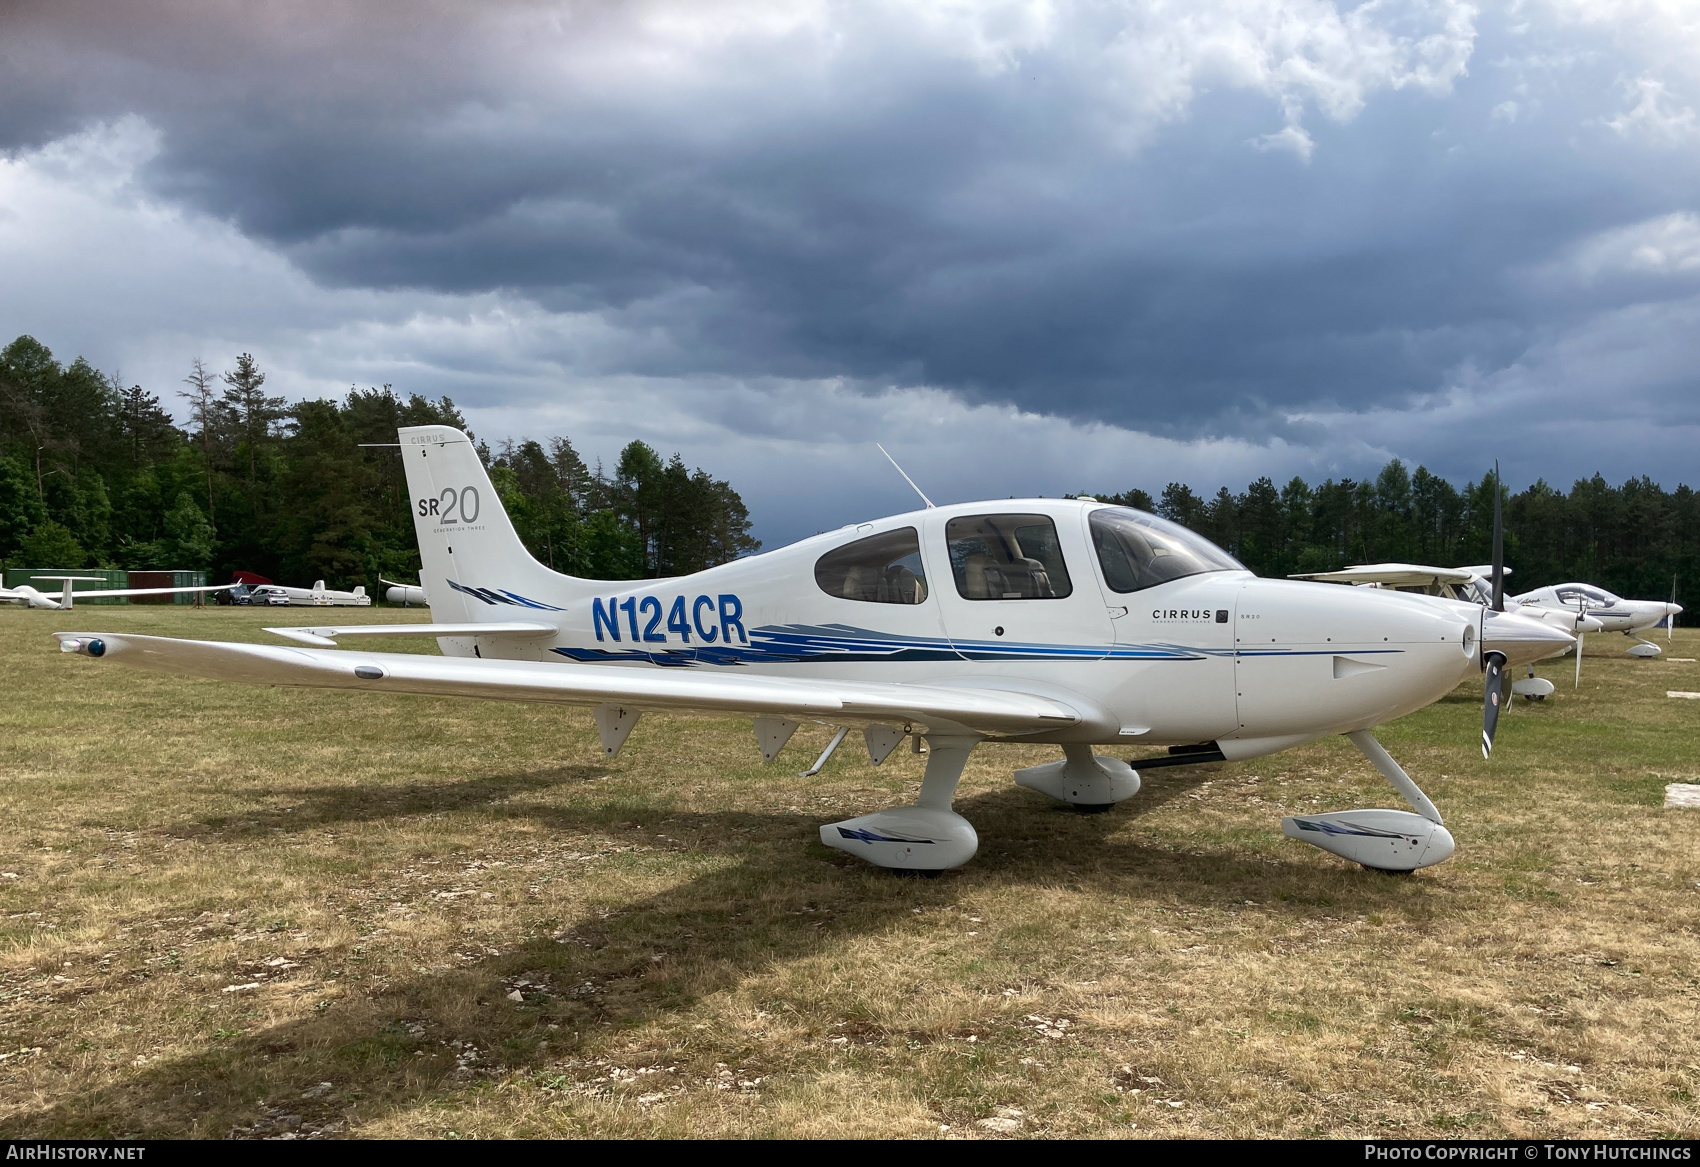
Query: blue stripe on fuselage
800	643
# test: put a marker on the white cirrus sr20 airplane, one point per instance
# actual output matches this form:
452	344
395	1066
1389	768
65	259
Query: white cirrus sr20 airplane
1064	622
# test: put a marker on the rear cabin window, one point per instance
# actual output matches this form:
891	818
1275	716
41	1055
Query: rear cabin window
881	569
1007	557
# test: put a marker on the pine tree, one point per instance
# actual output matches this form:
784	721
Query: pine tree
208	414
256	415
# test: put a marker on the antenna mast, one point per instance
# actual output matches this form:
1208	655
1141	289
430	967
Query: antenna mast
906	477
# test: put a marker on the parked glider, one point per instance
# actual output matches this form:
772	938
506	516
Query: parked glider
317	596
30	596
1066	622
407	595
1613	613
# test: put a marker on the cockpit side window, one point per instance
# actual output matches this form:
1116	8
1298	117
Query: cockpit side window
1139	551
1007	557
881	569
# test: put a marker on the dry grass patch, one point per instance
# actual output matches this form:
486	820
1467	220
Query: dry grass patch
276	912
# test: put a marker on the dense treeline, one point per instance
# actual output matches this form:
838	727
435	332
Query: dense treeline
93	474
1631	539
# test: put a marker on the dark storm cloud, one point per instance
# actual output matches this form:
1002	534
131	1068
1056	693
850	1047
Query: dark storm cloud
1045	211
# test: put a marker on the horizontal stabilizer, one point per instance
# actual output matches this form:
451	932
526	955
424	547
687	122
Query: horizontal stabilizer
326	637
937	707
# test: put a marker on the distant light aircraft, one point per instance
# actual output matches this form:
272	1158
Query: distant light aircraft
407	595
317	596
1058	621
31	597
1614	613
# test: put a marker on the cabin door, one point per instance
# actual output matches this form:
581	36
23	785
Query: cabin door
1017	585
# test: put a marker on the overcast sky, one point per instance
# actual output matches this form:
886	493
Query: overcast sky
1031	247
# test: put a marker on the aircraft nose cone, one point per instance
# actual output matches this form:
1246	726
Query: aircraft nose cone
1673	609
1522	639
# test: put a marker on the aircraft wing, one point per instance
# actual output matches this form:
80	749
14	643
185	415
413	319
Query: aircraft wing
326	637
1394	574
103	593
938	707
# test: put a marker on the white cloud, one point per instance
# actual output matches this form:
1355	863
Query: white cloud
1655	115
1139	63
1666	245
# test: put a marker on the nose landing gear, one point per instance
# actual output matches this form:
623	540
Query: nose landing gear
1091	783
1381	840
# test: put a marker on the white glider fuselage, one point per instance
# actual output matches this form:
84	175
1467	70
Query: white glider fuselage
1014	594
65	598
317	596
1614	613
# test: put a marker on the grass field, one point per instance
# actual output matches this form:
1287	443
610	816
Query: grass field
285	912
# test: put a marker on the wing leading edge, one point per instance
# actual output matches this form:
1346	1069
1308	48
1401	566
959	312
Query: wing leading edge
930	707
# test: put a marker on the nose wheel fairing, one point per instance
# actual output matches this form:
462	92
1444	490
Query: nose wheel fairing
1385	840
1082	778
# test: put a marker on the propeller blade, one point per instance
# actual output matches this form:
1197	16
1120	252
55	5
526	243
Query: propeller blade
1498	549
1492	697
1580	638
1670	619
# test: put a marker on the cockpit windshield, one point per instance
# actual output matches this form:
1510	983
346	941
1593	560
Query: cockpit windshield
1139	551
1583	596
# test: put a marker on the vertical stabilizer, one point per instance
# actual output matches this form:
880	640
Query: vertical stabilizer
473	564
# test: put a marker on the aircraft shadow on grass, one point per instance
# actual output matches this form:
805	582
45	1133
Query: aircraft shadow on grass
789	898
